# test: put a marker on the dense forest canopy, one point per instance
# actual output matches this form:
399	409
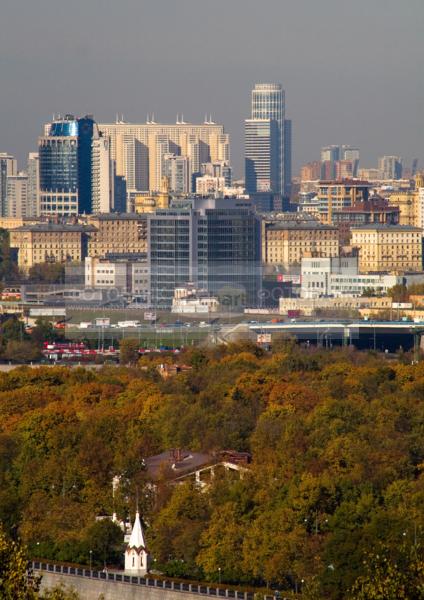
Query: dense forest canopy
335	486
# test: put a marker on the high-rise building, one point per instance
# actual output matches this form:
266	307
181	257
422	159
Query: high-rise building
215	245
65	163
102	200
287	156
17	196
330	153
177	170
390	167
262	168
339	161
138	149
8	167
33	170
268	104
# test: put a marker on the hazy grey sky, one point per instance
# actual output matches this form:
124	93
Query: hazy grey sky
352	69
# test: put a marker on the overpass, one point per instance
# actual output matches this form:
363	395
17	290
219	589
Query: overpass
377	335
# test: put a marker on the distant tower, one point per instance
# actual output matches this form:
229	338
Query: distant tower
136	555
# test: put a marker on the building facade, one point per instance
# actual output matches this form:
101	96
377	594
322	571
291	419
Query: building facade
138	149
388	248
262	168
50	242
266	172
339	276
117	233
18	205
126	274
285	243
214	245
65	166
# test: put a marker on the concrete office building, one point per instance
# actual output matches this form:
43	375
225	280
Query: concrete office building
388	248
214	244
138	149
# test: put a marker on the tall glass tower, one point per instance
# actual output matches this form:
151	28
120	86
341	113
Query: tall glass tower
65	166
268	104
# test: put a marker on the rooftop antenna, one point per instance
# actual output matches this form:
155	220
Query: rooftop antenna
177	120
153	118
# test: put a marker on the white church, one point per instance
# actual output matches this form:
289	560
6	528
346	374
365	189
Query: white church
136	554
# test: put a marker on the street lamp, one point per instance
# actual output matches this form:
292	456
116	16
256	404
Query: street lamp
91	559
219	574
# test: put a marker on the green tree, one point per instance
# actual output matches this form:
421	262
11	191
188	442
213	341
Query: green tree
15	581
47	273
388	579
105	539
60	592
129	351
22	352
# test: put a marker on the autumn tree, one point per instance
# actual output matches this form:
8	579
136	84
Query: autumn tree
16	583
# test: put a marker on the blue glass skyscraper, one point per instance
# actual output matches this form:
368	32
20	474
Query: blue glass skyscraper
65	163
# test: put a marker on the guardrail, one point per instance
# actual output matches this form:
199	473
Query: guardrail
150	582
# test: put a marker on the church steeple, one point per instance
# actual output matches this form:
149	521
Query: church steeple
136	554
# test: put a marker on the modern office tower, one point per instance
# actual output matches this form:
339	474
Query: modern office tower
102	176
33	170
177	171
262	166
390	167
87	132
65	163
17	195
287	157
267	105
138	149
214	244
58	156
8	167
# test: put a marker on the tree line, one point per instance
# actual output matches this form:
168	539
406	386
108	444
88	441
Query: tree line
330	507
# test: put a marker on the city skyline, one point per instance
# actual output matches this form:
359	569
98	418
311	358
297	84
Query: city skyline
116	66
